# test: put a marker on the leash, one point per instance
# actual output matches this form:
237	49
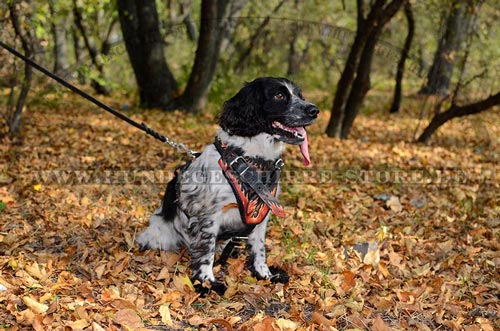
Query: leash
141	126
228	249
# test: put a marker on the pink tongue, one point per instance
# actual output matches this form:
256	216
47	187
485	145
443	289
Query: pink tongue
304	147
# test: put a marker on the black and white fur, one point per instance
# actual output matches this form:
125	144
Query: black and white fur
193	214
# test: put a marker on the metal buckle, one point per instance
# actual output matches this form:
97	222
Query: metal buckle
279	163
239	157
236	159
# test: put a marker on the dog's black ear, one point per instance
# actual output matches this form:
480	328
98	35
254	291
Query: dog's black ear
242	115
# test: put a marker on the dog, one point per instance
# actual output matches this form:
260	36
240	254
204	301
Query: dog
231	188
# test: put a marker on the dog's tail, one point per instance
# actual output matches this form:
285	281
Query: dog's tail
169	204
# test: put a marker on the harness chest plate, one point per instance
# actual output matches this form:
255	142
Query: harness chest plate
254	182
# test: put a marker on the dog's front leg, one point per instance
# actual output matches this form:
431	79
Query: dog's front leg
257	256
203	235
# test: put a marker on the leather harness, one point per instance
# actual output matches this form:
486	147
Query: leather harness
254	182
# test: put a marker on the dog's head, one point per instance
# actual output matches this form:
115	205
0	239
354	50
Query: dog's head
270	105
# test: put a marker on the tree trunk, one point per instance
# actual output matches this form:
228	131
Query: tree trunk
98	86
60	45
192	32
355	80
344	85
212	32
364	27
187	20
140	28
439	76
28	43
398	90
360	85
457	111
295	56
78	54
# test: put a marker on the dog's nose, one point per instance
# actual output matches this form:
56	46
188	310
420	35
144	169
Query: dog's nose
312	111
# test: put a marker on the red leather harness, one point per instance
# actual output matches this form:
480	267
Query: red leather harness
254	182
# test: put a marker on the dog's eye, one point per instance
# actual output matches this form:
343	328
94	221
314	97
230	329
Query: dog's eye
280	96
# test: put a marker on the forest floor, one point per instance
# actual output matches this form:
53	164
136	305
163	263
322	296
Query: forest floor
79	185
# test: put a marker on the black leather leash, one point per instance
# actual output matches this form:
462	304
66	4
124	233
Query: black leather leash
141	126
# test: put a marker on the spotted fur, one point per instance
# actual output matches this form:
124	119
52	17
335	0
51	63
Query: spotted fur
198	207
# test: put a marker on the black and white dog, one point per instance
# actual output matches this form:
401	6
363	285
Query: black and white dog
230	189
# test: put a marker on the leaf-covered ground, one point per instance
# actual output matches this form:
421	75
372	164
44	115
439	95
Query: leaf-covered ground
80	185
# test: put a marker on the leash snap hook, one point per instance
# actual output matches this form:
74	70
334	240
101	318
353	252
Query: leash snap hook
279	164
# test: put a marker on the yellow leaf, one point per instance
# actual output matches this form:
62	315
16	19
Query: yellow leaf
165	315
85	201
181	281
35	270
285	324
13	264
139	212
35	306
37	187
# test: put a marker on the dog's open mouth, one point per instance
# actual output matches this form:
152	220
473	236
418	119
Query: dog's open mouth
295	136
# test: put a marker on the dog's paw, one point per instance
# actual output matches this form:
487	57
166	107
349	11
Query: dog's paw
158	235
274	274
279	275
206	288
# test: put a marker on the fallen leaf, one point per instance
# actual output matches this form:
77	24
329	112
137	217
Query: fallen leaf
35	306
38	323
78	324
222	322
267	324
35	271
195	320
379	324
394	204
349	281
286	324
97	327
128	318
164	274
165	315
180	282
318	318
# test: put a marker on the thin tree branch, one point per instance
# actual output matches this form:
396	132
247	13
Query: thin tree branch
253	40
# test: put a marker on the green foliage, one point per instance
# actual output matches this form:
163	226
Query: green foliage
320	31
